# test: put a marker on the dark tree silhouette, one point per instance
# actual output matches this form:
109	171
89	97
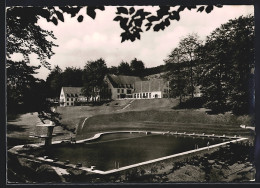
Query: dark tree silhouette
113	70
182	65
54	82
188	47
137	68
24	36
20	82
93	77
177	74
72	77
124	69
228	66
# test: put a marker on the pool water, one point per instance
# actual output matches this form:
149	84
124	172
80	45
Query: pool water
125	149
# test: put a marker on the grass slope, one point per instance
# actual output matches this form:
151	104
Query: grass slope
183	121
151	115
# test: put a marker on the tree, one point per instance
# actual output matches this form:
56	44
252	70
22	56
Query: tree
214	78
72	77
124	69
182	66
19	80
137	68
113	70
54	82
24	37
93	77
188	47
228	64
176	74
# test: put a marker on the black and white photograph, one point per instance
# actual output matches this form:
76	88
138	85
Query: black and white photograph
130	94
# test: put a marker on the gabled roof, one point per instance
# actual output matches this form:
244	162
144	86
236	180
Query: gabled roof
72	91
122	80
150	85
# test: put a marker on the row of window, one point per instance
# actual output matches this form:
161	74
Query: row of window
144	95
122	96
72	99
128	91
125	85
138	95
71	95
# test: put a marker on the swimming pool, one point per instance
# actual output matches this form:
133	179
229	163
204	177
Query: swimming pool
112	151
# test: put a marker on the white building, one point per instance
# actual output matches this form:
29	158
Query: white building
150	89
69	95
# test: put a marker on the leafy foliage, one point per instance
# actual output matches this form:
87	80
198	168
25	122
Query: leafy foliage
228	64
182	65
137	68
21	85
223	67
176	74
93	77
54	82
131	20
24	36
124	68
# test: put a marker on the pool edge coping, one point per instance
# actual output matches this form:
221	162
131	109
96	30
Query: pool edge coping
96	136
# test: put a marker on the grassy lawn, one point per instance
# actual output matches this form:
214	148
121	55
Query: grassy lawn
182	121
150	115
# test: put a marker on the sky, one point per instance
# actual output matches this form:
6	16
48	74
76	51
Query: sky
100	38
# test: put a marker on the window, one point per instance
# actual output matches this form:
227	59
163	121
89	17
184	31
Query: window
138	95
68	104
129	91
118	96
150	95
68	99
122	90
165	90
118	90
134	95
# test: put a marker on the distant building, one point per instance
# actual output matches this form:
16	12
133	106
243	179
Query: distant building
150	89
69	95
120	86
117	87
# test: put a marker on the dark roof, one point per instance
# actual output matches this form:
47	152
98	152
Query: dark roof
72	91
150	85
122	80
